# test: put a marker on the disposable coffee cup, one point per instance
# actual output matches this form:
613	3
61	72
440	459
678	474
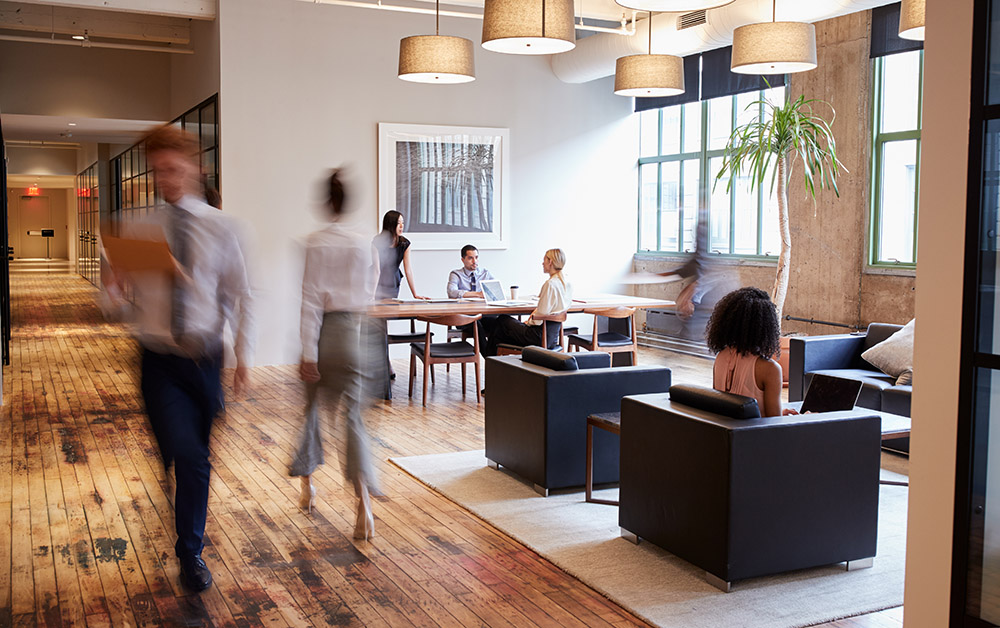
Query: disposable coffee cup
513	292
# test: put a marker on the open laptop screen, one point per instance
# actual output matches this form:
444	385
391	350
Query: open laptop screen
827	393
492	290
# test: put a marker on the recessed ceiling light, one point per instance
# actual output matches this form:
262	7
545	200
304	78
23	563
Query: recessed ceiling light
79	37
71	123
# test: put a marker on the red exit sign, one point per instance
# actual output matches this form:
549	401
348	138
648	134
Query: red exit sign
34	191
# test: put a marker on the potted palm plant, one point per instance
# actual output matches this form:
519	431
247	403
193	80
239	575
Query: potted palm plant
771	143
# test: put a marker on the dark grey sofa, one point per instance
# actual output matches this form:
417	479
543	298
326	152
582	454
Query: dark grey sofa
537	409
742	498
840	355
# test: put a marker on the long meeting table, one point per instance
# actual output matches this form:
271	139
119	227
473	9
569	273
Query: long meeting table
406	309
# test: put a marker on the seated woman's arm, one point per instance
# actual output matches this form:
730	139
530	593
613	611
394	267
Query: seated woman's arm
768	376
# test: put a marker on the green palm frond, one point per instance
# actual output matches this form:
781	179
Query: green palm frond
789	129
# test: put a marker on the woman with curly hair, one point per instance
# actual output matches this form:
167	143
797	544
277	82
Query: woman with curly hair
743	331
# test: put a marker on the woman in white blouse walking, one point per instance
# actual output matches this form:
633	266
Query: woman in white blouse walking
554	298
340	274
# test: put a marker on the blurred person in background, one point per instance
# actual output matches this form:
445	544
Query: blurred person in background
179	316
339	347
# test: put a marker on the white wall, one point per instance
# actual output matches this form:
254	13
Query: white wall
43	79
193	78
944	173
39	160
303	88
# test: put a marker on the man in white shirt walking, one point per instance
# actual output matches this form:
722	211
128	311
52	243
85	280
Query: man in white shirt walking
179	320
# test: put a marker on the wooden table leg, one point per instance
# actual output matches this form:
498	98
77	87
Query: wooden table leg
590	461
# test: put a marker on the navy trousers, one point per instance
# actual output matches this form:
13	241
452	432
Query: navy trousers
182	397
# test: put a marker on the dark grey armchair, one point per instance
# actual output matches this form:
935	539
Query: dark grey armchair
537	409
747	497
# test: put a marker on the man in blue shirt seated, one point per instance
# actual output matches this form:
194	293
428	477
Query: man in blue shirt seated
467	282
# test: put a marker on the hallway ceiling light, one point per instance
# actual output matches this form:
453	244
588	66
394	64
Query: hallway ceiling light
774	47
528	27
673	6
436	58
911	19
649	75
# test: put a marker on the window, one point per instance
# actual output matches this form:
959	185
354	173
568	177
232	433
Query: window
681	149
896	100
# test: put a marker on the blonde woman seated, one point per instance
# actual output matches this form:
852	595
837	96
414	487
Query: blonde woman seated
555	297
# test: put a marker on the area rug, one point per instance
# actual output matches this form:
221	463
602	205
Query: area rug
584	540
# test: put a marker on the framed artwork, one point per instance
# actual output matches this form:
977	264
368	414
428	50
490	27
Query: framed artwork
448	182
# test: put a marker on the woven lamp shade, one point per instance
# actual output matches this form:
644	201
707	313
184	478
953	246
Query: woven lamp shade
911	19
515	26
774	48
672	6
649	75
436	59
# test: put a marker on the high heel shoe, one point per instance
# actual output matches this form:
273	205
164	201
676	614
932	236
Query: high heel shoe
307	498
364	528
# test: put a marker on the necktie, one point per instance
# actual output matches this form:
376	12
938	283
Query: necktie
181	237
472	282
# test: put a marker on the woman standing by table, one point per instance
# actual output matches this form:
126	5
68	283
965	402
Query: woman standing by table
555	297
393	251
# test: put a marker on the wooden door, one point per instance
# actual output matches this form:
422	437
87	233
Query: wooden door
36	214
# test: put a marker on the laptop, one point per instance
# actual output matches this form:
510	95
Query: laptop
827	393
493	295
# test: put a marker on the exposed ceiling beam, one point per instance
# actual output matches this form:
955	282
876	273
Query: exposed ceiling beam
35	18
194	9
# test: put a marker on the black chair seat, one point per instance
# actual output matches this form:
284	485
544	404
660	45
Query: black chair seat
570	330
399	339
445	349
607	339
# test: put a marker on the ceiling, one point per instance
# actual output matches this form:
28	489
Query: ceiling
23	127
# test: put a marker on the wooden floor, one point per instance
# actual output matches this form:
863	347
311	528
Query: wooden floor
82	494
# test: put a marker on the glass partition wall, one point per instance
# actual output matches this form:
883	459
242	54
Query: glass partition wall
976	556
88	262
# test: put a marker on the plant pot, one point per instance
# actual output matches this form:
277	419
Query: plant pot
783	359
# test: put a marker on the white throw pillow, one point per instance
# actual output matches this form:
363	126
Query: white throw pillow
894	355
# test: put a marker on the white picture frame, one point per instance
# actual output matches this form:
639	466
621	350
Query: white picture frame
449	182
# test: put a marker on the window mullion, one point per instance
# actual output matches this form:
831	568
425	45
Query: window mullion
732	187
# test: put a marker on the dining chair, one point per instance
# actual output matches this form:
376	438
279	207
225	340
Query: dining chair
559	318
405	338
446	352
608	341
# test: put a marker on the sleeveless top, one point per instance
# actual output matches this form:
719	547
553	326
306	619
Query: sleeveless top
390	257
734	373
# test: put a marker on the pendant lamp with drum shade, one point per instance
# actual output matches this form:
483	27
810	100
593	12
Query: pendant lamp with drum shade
528	27
911	19
673	6
774	47
436	58
648	75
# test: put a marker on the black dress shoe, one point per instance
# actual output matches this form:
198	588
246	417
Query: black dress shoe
195	574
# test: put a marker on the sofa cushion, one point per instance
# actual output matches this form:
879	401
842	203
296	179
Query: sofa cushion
715	401
894	355
877	332
555	360
592	360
